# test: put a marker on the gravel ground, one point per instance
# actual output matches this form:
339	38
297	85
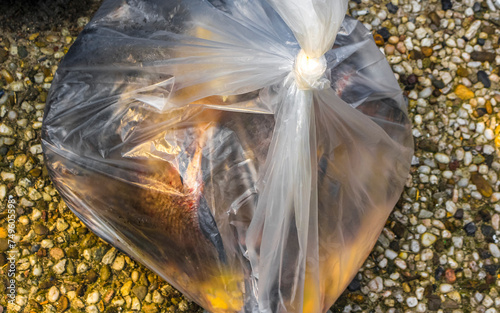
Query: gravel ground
438	252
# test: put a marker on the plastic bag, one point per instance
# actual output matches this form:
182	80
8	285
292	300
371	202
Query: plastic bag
249	152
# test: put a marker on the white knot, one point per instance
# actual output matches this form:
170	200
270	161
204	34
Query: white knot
309	72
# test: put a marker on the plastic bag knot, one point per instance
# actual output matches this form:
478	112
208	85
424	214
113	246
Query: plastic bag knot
309	72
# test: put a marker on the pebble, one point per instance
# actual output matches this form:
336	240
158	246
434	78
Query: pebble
63	304
136	304
442	158
125	289
472	30
445	288
53	294
494	250
376	284
379	40
411	302
470	228
428	239
57	253
119	263
109	256
6	130
483	186
140	291
61	225
446	4
483	78
392	8
483	56
93	297
450	276
59	267
463	92
425	93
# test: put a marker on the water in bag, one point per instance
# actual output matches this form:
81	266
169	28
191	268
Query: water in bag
248	152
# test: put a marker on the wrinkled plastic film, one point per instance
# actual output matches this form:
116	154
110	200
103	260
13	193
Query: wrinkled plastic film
182	133
315	23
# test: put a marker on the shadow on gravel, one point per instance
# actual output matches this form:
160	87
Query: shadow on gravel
40	15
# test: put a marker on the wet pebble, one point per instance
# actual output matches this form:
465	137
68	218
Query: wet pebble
483	78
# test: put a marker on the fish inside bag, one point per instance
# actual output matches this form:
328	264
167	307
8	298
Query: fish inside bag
248	152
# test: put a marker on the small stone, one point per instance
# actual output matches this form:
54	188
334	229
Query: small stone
39	77
483	56
470	229
472	30
445	288
438	83
446	4
93	297
92	309
384	32
463	92
7	76
5	130
53	294
401	47
487	231
393	40
427	51
125	289
59	267
41	229
109	296
392	8
379	40
353	286
17	86
61	224
7	176
425	93
411	302
389	49
91	277
136	304
433	302
450	276
22	52
483	186
435	19
57	253
442	158
150	308
20	160
489	110
140	291
450	304
104	273
412	79
119	263
476	7
462	72
494	250
376	284
483	78
428	239
63	304
109	256
158	298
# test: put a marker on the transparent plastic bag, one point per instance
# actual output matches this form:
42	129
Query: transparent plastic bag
249	152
